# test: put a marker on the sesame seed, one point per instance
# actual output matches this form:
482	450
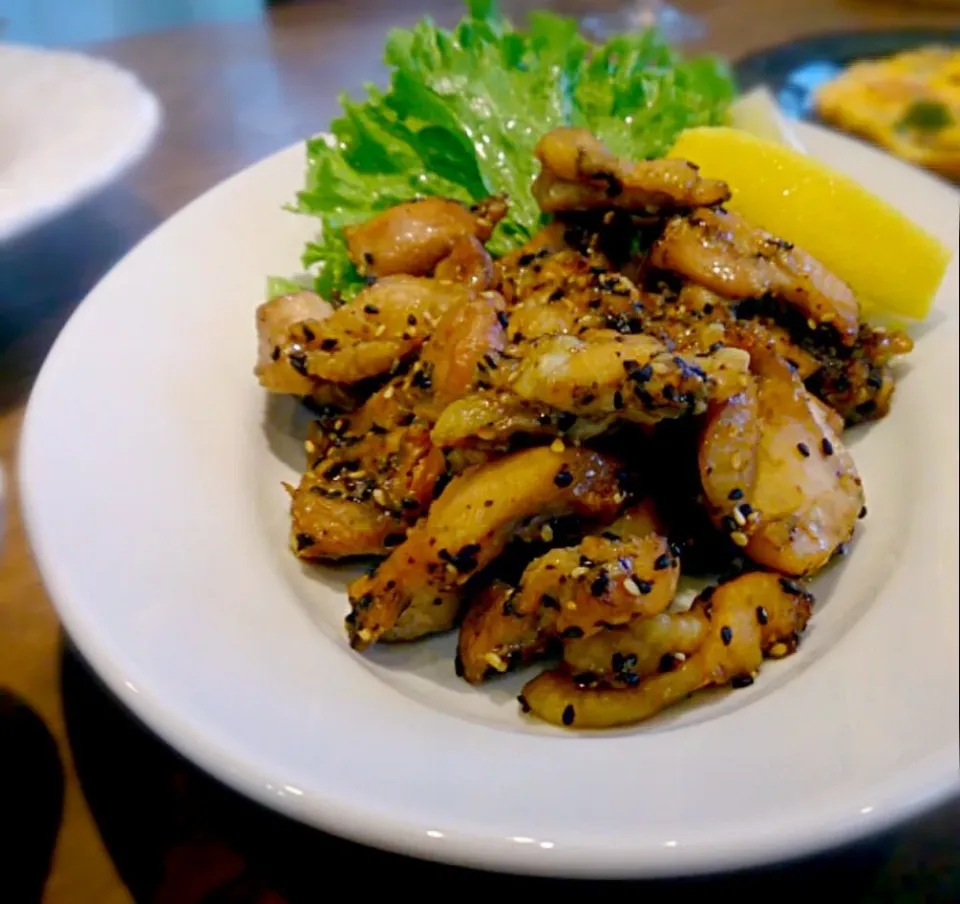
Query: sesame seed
572	633
812	323
738	516
862	513
740	538
726	635
557	446
662	562
380	330
310	447
563	477
578	572
569	714
388	392
778	650
495	661
380	497
546	533
827	446
630	585
524	706
735	494
762	617
740	681
803	449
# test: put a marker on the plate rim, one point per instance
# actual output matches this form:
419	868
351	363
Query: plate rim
396	835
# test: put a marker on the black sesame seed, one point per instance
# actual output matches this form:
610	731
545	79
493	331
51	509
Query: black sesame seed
412	319
746	509
643	586
303	541
365	601
599	586
275	354
735	495
563	477
525	260
726	635
791	587
368	257
662	563
641	374
503	320
371	309
620	663
827	446
862	513
569	714
299	363
556	295
572	633
524	706
729	524
739	681
803	449
308	333
549	602
762	616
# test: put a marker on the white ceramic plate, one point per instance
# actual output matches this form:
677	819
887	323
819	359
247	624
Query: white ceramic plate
151	469
69	124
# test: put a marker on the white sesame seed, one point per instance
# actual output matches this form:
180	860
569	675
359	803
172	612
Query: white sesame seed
364	634
380	330
388	392
578	572
546	533
630	585
778	650
310	446
739	538
738	517
380	497
557	446
492	659
679	657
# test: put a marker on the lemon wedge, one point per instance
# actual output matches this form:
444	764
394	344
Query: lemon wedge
758	113
893	266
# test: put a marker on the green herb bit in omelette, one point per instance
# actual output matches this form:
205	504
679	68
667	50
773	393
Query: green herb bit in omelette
464	109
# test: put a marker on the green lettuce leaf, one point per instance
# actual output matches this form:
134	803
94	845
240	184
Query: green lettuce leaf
464	109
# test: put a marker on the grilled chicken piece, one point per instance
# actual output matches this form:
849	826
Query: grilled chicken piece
579	173
576	591
414	237
465	343
860	384
726	254
384	324
468	262
472	522
739	623
274	321
776	475
492	419
359	499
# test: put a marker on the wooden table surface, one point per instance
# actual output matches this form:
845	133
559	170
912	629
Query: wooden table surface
98	810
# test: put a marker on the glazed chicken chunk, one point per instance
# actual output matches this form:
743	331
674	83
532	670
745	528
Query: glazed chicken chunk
579	173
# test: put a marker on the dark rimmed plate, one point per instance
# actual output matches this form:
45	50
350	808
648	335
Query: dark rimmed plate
795	70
